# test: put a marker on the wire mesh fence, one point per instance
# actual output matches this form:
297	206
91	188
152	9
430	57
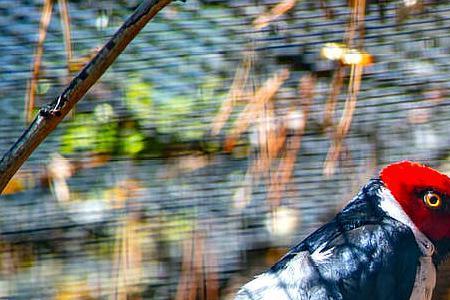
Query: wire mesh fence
221	136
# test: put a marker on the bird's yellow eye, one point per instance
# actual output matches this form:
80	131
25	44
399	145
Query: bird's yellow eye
432	200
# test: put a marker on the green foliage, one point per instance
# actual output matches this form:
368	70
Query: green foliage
43	86
177	227
176	116
176	119
139	100
131	142
91	132
170	112
79	135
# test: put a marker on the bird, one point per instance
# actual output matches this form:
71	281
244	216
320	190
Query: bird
386	243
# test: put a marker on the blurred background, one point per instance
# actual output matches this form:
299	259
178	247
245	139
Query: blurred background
224	134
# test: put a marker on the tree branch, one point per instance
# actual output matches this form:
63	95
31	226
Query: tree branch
51	115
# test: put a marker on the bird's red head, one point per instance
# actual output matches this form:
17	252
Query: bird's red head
424	195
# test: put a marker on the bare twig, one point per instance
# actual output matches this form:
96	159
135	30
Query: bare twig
49	117
236	93
65	24
212	278
281	177
329	13
256	104
198	278
127	259
191	264
356	26
186	270
346	119
43	25
330	105
276	12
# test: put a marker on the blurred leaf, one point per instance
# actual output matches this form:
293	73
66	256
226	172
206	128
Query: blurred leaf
177	228
211	146
132	142
170	111
85	134
72	289
106	138
43	86
79	135
104	112
193	131
138	99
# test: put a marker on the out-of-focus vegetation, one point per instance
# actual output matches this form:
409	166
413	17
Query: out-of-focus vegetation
226	132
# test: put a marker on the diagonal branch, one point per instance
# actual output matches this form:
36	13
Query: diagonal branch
49	117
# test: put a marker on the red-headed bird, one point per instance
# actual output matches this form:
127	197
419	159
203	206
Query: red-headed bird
385	244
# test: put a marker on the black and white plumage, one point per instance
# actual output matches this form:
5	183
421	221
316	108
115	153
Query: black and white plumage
370	250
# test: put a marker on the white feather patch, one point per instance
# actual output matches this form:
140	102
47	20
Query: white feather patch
426	271
288	284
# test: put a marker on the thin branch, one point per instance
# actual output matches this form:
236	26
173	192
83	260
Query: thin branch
346	120
49	117
256	104
235	94
281	177
65	24
356	26
330	105
43	25
276	12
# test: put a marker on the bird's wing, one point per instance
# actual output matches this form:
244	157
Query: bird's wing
343	261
